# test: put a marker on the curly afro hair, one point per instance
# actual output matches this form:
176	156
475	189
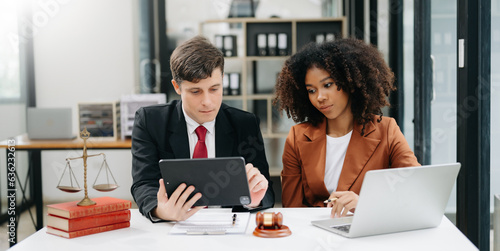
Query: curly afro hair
357	68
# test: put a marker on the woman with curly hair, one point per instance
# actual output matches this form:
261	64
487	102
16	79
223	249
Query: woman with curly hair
336	92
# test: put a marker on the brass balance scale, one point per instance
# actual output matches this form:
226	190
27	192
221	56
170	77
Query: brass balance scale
73	185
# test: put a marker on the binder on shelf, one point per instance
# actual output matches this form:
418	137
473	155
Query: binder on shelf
282	44
234	83
319	38
230	46
219	42
272	41
329	37
225	84
262	44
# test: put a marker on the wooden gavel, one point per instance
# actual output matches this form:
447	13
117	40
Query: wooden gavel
269	220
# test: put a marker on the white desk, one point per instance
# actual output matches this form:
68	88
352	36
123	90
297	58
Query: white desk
144	235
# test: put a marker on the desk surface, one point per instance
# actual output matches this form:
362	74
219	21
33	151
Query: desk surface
144	235
22	142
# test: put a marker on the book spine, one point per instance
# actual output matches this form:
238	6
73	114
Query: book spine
88	231
98	220
100	209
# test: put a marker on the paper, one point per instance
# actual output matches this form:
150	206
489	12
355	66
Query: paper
213	221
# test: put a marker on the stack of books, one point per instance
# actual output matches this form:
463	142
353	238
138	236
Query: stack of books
70	220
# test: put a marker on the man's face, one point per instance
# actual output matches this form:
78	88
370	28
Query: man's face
201	101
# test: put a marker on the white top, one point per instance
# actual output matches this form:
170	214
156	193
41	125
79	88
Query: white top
335	155
193	138
144	235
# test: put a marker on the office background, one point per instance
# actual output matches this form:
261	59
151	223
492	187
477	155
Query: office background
90	51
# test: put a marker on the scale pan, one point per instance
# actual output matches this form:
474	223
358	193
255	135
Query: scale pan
69	189
105	187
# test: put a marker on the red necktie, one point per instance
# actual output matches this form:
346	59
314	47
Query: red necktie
200	150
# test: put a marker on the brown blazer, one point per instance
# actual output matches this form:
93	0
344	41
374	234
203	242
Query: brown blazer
382	146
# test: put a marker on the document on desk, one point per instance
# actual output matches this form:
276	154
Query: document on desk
213	221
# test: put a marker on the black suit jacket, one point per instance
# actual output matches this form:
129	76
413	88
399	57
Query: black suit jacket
160	132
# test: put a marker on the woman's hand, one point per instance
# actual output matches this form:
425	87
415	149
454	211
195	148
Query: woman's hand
342	202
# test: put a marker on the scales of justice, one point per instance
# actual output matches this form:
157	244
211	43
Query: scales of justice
73	185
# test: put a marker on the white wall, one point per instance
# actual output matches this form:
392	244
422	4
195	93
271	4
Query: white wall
13	120
85	52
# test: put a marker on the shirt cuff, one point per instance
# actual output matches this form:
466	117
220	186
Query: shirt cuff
153	218
252	208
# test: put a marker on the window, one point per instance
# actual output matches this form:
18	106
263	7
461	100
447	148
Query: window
10	83
443	37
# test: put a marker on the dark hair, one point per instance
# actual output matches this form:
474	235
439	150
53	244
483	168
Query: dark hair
195	60
356	68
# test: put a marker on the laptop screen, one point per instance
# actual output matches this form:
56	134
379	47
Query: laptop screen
49	123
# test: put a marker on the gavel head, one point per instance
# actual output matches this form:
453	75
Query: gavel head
269	220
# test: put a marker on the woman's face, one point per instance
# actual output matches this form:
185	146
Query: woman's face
325	96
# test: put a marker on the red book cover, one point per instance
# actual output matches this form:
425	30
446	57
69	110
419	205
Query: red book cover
97	220
103	205
87	231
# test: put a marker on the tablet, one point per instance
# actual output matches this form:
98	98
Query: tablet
221	181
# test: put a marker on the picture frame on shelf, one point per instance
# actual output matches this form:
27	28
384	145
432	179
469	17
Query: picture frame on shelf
102	119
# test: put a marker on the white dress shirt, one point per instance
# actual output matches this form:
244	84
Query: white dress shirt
193	138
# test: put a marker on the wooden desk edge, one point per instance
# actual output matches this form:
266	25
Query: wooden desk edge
22	142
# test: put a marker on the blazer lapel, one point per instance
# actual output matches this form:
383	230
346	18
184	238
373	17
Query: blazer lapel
178	140
224	135
313	156
358	153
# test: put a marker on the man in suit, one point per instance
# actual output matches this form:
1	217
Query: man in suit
171	131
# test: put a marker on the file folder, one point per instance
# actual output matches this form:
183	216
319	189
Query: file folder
225	84
262	44
230	46
219	42
320	38
329	37
272	41
234	83
282	44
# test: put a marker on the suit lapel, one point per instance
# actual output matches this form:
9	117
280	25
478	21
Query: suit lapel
358	153
224	135
178	139
313	155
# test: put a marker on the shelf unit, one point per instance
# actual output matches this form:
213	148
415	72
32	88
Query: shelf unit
251	67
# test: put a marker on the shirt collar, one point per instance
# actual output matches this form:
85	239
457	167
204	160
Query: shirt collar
192	125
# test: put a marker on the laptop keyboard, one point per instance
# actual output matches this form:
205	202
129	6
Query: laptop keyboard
343	228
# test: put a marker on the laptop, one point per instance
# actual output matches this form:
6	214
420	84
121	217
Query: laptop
398	199
221	181
49	123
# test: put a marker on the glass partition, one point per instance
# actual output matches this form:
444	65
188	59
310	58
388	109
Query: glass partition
495	101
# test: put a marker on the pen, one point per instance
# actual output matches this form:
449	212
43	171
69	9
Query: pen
234	219
330	200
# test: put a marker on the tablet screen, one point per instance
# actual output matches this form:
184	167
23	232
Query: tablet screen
221	181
